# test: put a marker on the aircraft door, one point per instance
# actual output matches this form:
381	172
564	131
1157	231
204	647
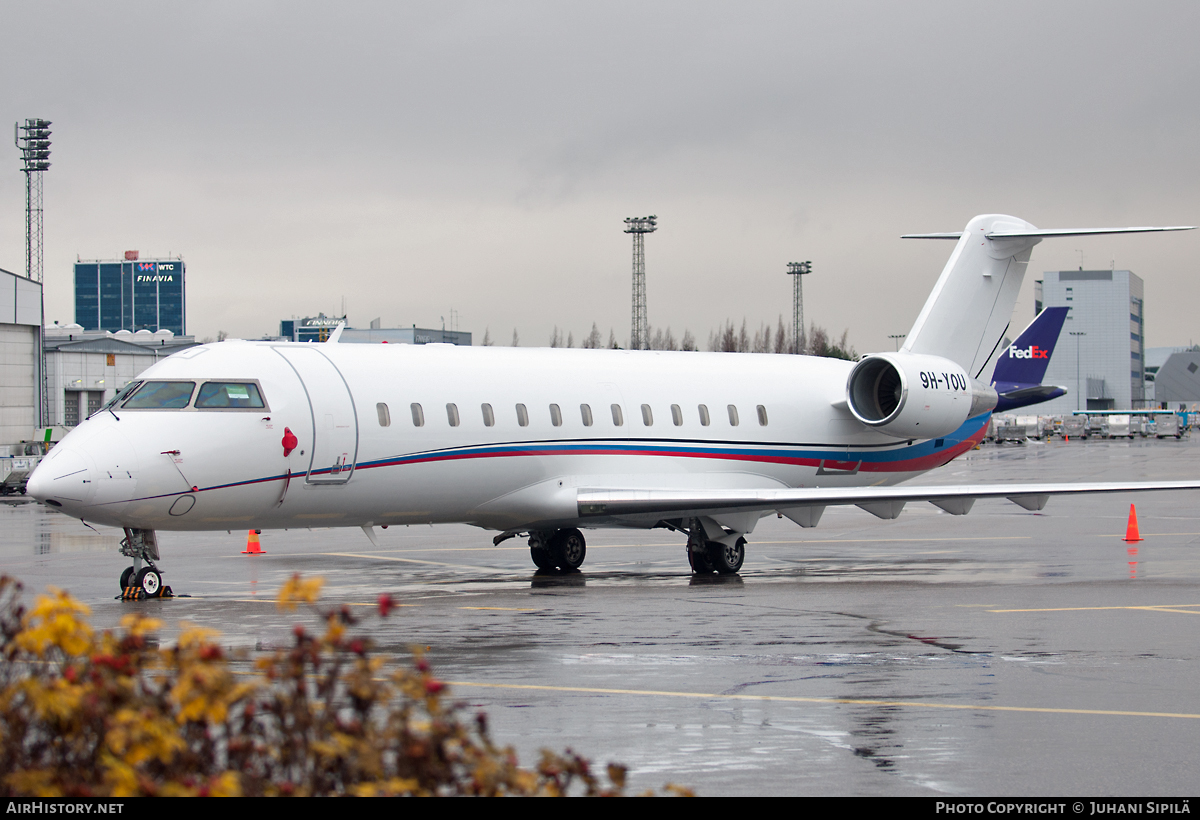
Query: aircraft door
334	420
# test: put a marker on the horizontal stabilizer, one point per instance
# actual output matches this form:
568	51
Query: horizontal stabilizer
1035	394
1043	234
1079	232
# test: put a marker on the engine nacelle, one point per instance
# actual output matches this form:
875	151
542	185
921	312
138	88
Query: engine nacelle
915	396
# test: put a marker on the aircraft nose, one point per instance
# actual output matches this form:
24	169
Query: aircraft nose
63	478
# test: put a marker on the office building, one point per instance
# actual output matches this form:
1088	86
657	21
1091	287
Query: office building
318	328
1100	356
131	294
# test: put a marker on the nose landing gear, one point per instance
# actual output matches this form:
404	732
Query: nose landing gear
139	582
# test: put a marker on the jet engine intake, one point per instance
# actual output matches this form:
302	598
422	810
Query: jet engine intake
909	395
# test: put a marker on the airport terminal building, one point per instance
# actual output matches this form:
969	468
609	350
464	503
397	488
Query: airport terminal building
318	329
1103	364
131	294
20	360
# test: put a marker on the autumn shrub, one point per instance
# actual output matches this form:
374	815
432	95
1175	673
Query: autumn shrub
87	714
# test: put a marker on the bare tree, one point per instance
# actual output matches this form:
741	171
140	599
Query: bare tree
516	342
593	339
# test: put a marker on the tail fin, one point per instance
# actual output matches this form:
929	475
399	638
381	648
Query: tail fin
965	317
967	313
1025	360
1022	365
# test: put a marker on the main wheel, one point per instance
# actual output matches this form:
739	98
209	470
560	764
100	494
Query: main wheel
727	559
541	557
568	549
126	577
150	582
700	563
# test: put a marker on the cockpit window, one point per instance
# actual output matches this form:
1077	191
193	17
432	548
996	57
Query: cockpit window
160	396
121	395
216	395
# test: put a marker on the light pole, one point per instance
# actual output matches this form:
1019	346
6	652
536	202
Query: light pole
33	139
798	269
639	330
896	337
1078	384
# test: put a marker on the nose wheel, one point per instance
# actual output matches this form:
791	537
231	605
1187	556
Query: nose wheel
137	581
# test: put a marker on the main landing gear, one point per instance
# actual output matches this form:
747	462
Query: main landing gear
559	549
706	555
138	581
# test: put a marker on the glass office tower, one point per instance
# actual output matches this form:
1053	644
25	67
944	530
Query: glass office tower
131	295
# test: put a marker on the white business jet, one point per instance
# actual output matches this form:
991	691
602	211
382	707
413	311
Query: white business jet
546	442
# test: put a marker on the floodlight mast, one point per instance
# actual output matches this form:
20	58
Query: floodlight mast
798	269
34	145
639	333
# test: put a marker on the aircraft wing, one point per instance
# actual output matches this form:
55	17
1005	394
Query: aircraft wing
804	505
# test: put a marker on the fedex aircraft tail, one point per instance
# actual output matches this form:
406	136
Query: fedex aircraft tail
1022	365
969	310
1025	360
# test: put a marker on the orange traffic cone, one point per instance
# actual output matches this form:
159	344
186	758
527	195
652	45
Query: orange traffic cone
1131	531
253	547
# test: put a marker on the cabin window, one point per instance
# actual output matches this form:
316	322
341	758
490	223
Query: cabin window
676	415
452	414
522	415
489	418
385	418
161	396
555	415
762	416
585	411
219	395
618	416
418	415
733	416
647	416
704	419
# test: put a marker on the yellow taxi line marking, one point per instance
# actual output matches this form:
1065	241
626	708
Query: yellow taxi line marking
1151	607
380	557
267	600
502	608
850	701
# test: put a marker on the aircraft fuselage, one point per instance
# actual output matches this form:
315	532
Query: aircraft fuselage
502	438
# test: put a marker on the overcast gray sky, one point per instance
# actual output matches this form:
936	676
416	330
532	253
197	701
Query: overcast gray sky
417	157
